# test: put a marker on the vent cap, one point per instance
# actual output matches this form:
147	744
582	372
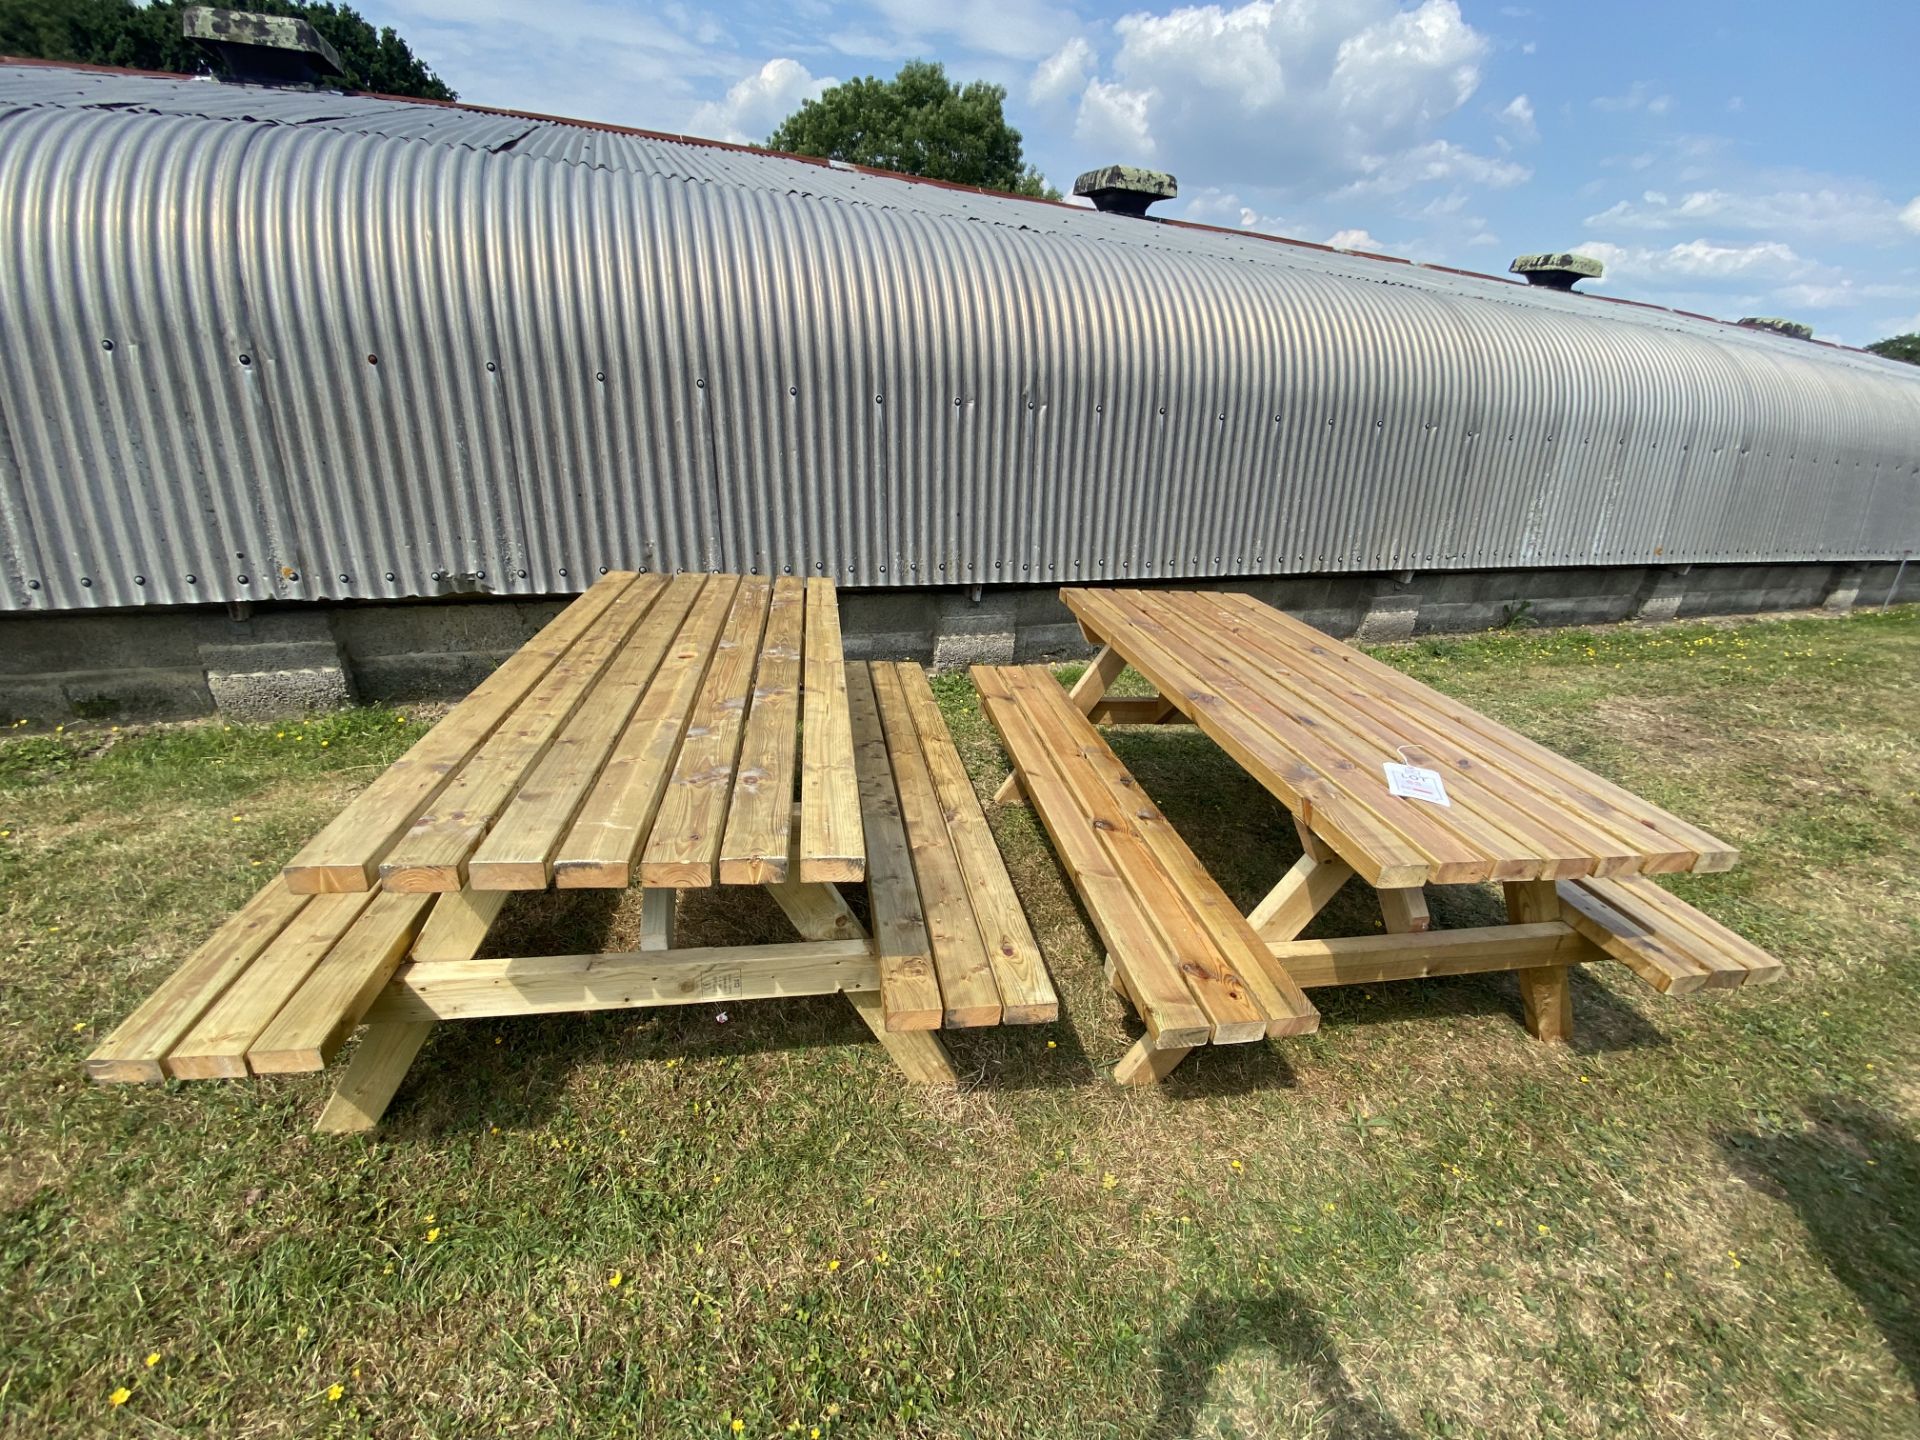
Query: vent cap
1792	329
1557	271
263	49
1125	189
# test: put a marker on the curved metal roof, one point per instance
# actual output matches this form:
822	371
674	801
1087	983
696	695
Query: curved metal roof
268	343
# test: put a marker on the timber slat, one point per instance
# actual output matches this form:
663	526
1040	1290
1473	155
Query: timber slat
1670	944
432	855
684	848
754	849
1026	992
831	847
517	853
346	854
1174	1017
909	988
618	814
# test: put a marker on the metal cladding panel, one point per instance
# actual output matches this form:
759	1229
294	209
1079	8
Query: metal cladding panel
301	345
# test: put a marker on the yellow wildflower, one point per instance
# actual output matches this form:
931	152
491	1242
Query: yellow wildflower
153	1359
613	1280
738	1424
1108	1181
832	1265
335	1391
120	1396
1053	1044
1235	1165
433	1234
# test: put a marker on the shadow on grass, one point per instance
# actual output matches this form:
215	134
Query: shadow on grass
1853	1176
1218	1326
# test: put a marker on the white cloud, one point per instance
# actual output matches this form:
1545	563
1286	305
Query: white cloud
1436	162
1213	206
1281	93
1638	96
756	105
1063	73
1518	113
1852	214
1355	240
1116	118
1763	260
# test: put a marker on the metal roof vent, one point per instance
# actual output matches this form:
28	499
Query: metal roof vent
1792	329
263	49
1125	189
1557	272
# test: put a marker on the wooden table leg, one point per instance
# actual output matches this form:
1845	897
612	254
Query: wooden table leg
1405	911
1086	693
656	918
1546	993
819	912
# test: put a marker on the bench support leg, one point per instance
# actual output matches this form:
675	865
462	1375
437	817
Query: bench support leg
377	1068
1144	1065
1303	892
456	928
1546	993
819	912
1086	693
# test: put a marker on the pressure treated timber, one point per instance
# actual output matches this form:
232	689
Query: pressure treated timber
346	854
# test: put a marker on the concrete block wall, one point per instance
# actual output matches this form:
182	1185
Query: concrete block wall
161	663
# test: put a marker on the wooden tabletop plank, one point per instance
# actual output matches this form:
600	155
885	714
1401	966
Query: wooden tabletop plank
1302	722
682	850
1379	854
327	1008
1552	776
831	846
1227	984
909	987
1521	845
1027	995
969	994
1565	841
135	1050
517	852
216	1047
1173	1018
1287	1009
432	855
614	822
755	847
345	855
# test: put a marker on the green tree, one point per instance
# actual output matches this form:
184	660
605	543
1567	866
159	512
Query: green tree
918	123
147	37
1899	347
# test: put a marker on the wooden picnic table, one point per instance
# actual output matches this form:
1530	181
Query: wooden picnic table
663	732
1317	723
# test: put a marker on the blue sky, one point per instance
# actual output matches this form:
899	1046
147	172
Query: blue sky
1734	159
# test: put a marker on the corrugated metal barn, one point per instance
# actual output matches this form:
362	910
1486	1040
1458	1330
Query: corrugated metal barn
282	344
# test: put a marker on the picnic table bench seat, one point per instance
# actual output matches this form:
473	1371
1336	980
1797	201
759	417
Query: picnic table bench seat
1674	947
1180	950
661	733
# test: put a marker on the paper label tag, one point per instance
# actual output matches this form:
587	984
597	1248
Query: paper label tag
1414	783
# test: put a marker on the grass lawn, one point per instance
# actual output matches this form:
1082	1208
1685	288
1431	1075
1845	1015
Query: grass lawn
1703	1219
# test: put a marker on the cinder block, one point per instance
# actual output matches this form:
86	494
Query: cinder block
276	694
1389	618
